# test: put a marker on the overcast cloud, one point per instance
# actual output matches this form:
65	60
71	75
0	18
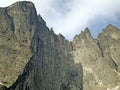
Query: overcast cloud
69	17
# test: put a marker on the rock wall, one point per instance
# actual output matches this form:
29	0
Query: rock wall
32	57
100	58
16	33
50	67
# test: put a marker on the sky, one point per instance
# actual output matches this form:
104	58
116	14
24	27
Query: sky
70	17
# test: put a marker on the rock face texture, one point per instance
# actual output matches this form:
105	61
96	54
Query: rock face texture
50	65
100	58
16	31
32	57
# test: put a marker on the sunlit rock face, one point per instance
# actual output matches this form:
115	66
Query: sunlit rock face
100	58
17	27
32	57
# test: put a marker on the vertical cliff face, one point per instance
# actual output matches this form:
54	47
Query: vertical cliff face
16	31
51	66
23	15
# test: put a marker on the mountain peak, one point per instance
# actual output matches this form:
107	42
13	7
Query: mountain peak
28	3
110	26
22	5
87	31
110	31
83	36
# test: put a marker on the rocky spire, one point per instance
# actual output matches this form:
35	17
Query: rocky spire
110	31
